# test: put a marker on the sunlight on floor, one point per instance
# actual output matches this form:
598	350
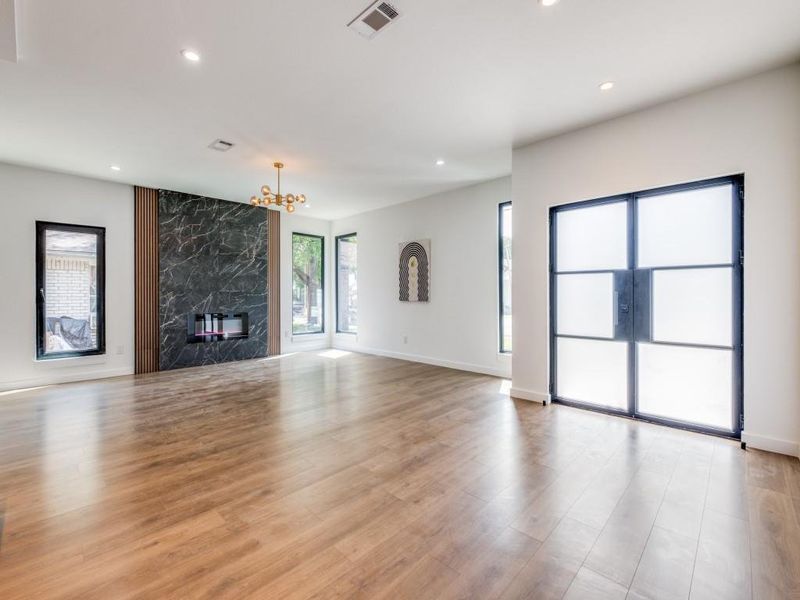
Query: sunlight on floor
30	389
505	386
278	356
334	353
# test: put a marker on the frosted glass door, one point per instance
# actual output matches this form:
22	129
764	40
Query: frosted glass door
685	359
646	305
590	348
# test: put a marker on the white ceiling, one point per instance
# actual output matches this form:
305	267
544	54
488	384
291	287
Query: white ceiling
358	123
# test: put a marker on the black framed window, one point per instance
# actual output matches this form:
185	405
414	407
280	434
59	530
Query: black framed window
346	283
504	235
308	278
70	290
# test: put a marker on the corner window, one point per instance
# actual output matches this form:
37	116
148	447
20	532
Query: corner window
70	290
346	284
504	264
308	294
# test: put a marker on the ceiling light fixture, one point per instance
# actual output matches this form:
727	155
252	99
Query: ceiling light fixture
440	162
606	85
548	2
115	168
190	55
288	201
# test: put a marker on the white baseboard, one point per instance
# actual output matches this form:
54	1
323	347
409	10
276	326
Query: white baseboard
428	360
530	395
769	444
62	376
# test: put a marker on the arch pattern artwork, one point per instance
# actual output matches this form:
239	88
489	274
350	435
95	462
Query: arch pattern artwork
415	271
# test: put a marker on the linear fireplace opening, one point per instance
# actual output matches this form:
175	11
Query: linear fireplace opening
215	327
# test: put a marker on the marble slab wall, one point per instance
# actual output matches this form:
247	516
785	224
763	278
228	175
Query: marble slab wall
212	258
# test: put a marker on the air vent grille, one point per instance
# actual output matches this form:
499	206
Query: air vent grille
221	145
388	10
376	17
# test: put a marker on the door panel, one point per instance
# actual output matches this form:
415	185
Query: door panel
586	305
692	227
693	385
592	238
693	306
593	371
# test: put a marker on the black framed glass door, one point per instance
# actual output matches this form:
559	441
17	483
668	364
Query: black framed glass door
646	305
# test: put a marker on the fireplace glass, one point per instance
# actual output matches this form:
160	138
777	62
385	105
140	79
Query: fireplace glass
215	327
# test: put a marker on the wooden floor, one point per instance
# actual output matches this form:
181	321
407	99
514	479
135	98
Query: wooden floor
355	476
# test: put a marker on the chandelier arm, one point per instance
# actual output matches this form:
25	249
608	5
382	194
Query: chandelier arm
277	198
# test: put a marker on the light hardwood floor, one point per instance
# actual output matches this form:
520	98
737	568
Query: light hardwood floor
365	477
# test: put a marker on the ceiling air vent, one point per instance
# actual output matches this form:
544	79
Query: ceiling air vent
374	19
220	145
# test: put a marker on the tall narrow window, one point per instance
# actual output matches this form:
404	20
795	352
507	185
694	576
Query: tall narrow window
308	294
346	284
504	226
70	290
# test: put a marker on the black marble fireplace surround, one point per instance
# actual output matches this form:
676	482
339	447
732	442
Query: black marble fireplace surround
212	259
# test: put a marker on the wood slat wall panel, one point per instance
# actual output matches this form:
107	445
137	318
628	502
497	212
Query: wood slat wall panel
146	327
273	282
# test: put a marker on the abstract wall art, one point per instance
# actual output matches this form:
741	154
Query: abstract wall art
415	271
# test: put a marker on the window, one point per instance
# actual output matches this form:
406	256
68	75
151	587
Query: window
70	290
346	283
504	244
308	272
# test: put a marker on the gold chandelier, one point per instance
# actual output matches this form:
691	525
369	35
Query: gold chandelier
288	201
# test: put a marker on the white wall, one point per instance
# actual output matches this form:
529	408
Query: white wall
751	127
459	326
28	195
296	223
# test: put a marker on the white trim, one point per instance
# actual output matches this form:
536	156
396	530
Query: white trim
63	376
307	338
769	444
530	395
429	360
71	361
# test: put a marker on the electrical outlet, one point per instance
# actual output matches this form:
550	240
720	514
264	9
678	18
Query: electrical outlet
120	349
405	339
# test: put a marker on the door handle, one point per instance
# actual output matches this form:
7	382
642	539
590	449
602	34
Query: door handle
616	308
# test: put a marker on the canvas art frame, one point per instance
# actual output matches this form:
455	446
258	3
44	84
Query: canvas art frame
414	270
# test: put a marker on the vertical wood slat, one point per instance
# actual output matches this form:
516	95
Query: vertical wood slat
273	282
146	328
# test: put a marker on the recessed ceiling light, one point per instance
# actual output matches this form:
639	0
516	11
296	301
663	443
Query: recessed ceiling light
307	205
548	2
606	85
440	162
190	55
115	168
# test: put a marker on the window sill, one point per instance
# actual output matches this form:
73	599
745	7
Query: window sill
72	361
308	337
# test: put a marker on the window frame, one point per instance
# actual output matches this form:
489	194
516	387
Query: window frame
501	317
321	238
336	269
41	310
